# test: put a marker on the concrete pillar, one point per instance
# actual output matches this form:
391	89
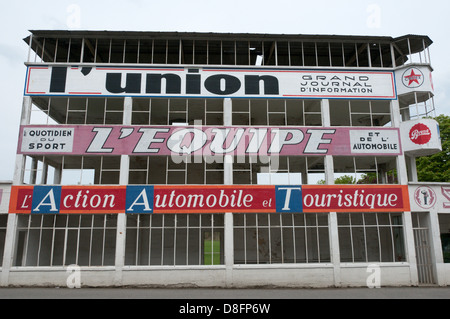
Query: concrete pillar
332	216
122	218
228	220
11	230
410	248
402	176
437	255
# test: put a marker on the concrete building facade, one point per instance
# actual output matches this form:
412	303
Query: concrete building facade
206	159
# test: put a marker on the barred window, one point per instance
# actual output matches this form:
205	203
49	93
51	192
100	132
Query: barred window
62	240
417	105
281	238
360	113
158	111
3	224
77	110
271	170
71	170
185	170
148	49
277	112
371	237
365	170
174	239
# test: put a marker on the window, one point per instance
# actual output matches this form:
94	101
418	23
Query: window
72	170
3	224
416	106
62	240
168	111
360	113
212	248
77	110
174	239
148	49
270	170
281	238
444	226
365	170
276	112
371	237
185	170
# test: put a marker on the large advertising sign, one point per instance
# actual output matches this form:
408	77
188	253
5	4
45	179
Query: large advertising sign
207	82
147	199
207	141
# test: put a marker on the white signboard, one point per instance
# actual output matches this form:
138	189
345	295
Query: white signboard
373	141
208	82
430	197
47	139
420	137
414	78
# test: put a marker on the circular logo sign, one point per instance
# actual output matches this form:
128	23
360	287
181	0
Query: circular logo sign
413	78
425	197
420	134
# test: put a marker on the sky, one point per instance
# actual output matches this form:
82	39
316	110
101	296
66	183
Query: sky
348	17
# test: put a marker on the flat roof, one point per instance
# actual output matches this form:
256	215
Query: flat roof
417	42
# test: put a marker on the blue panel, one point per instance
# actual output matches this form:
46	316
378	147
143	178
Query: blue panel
46	200
289	199
139	200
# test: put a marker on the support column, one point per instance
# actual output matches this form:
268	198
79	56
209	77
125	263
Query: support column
437	255
402	175
228	220
122	218
11	228
332	216
410	248
412	169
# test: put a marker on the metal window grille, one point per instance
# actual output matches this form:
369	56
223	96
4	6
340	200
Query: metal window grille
360	113
164	170
276	112
168	111
301	52
174	239
371	237
76	110
366	170
3	224
281	238
62	240
269	170
71	170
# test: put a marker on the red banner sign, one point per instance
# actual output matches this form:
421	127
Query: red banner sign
136	199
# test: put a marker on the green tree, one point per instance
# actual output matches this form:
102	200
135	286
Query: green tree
436	167
344	179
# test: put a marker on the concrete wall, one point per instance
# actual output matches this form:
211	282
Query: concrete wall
309	276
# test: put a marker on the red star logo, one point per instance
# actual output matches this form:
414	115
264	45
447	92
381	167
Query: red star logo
413	78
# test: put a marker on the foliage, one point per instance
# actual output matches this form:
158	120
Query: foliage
345	179
368	178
